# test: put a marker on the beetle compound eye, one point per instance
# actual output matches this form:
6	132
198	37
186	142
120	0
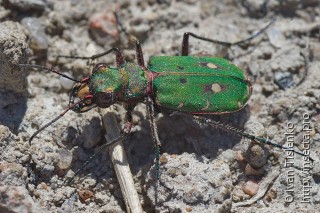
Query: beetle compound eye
88	101
99	67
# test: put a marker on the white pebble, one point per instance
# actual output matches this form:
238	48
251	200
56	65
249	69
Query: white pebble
66	83
65	158
276	37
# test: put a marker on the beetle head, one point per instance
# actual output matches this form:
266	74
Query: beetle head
92	92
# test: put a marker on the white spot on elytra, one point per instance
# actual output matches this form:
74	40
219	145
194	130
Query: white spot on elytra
215	88
180	105
207	106
211	65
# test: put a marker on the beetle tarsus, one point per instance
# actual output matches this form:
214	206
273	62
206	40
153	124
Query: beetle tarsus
242	133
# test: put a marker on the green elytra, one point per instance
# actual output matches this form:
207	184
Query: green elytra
197	85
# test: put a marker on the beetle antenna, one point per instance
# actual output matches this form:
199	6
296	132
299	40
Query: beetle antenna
119	23
246	135
43	127
48	124
54	120
48	69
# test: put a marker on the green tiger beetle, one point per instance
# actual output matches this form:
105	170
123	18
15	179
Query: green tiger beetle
187	84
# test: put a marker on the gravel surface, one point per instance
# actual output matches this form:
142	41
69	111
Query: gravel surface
202	169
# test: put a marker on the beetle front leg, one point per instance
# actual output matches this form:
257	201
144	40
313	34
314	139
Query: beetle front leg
139	53
185	40
128	124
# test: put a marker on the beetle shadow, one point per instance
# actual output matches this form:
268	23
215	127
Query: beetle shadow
13	107
179	133
201	139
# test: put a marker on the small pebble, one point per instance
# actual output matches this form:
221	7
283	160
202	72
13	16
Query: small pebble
85	195
103	27
254	7
276	38
284	79
65	159
36	194
43	186
250	188
48	149
271	194
4	132
257	156
239	156
66	83
188	209
28	5
93	133
47	170
38	38
163	160
185	163
238	195
172	172
268	89
90	182
193	196
112	186
184	172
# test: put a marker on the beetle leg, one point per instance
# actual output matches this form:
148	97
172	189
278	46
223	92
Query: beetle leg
139	53
128	125
242	133
185	40
154	133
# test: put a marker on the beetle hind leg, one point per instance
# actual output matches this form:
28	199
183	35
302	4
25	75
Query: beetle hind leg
157	143
185	40
154	133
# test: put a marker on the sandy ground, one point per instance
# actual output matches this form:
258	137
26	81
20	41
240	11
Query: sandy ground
203	169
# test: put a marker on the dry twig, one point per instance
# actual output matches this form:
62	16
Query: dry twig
120	163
